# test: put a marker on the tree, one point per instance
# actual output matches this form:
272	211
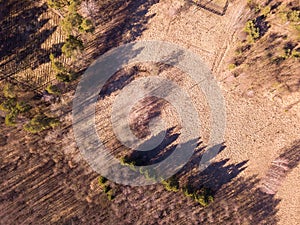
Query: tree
62	74
57	4
86	26
72	45
41	122
73	19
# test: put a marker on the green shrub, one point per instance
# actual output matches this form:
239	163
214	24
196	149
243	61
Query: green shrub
9	91
72	45
265	11
72	20
231	66
293	16
41	122
102	180
57	4
296	53
203	196
106	188
110	195
252	31
86	26
187	191
22	107
149	174
171	184
10	119
8	105
56	65
53	89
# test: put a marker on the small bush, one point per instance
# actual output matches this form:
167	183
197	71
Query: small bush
70	21
265	11
106	188
110	195
86	26
9	91
171	184
149	174
296	53
53	89
56	65
293	16
10	119
187	191
8	105
102	180
231	66
204	196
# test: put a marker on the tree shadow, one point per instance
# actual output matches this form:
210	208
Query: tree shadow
280	168
127	21
21	36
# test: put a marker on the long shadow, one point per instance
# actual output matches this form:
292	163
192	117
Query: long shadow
280	168
129	21
21	38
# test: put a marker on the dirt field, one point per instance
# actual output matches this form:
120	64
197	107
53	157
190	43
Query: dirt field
44	179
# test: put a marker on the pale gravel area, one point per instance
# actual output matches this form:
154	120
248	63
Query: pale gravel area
257	127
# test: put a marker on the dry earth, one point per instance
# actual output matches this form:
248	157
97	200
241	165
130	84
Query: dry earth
46	181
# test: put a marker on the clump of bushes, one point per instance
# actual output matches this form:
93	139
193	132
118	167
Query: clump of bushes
40	122
252	30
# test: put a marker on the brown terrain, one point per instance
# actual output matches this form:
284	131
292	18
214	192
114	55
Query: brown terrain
255	178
